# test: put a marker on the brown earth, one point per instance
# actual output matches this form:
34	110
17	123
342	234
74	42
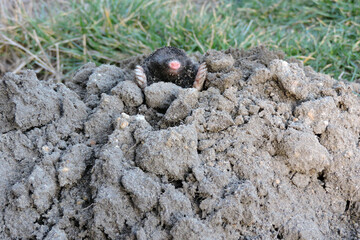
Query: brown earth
268	150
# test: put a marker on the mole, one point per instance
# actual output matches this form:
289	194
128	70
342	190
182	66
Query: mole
170	64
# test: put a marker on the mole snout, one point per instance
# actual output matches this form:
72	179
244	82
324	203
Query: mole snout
170	64
174	65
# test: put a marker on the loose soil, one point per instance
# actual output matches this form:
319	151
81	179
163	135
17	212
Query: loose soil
268	150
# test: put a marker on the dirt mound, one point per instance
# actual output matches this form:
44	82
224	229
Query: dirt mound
269	149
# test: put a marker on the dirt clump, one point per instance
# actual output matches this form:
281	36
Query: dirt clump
269	149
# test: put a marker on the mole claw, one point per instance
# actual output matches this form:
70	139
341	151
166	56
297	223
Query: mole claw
140	77
200	77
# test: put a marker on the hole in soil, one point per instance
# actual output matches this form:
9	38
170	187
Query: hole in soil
177	183
347	205
321	177
160	110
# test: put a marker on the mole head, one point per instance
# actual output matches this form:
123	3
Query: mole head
170	64
168	60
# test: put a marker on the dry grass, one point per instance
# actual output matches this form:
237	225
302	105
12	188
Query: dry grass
15	14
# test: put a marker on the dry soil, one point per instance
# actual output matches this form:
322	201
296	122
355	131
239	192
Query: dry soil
268	150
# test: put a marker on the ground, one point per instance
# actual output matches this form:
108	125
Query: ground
269	149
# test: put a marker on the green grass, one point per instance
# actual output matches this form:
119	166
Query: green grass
323	34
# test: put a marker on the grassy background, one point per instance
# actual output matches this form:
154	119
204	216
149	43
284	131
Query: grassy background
322	33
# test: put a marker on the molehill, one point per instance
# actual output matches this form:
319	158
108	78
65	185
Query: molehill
269	149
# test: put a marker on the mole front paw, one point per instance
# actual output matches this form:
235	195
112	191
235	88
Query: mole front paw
140	77
200	76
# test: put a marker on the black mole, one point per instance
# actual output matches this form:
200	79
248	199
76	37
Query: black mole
170	64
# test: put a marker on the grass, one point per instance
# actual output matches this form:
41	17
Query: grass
323	34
